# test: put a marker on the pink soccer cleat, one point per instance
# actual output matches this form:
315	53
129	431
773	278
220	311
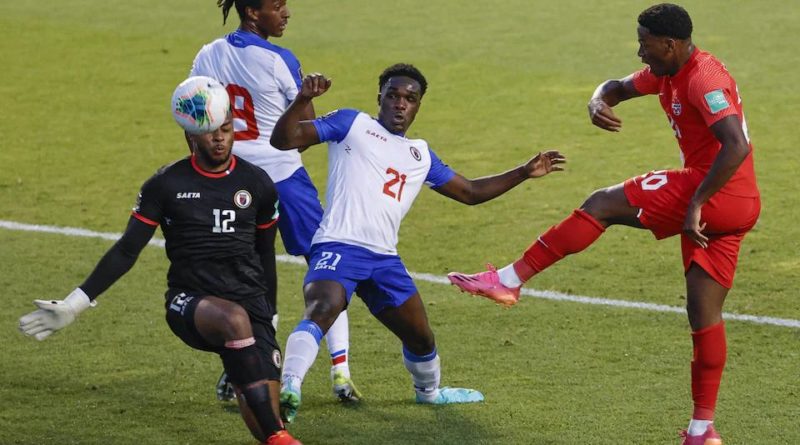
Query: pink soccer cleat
710	437
486	284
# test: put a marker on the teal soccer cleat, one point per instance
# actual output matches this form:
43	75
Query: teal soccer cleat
289	400
454	395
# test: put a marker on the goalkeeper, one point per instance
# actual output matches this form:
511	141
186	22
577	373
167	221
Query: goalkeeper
218	215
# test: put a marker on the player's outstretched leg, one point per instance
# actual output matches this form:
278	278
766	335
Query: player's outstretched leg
338	340
409	323
426	373
302	347
574	234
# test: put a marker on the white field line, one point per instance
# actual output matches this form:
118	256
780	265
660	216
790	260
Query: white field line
548	295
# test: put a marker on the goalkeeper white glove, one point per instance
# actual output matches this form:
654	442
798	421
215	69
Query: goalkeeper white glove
53	315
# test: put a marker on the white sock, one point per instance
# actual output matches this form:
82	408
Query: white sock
698	427
426	372
338	340
508	276
302	347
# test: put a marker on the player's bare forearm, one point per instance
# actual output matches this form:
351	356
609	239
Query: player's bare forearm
612	92
607	95
288	131
294	128
476	191
308	114
119	259
733	152
490	187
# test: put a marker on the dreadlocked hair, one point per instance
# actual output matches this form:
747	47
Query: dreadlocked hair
240	5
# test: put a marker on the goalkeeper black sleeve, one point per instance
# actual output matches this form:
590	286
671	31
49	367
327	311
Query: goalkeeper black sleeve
119	259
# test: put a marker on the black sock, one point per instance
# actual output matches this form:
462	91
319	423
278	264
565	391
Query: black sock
246	370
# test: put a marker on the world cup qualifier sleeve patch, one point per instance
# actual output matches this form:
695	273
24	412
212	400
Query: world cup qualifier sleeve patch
716	101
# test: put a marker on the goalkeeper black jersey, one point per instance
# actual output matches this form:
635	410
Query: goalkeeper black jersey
209	221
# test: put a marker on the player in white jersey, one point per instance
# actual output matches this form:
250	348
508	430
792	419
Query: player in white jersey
262	79
374	174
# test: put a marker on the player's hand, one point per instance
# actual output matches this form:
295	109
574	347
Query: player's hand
314	85
603	116
544	163
693	228
53	315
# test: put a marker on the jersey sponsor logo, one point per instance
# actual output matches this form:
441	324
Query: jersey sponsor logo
188	195
676	108
276	358
716	101
242	199
379	136
415	153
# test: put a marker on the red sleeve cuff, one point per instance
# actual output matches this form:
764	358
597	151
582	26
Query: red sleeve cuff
147	221
267	225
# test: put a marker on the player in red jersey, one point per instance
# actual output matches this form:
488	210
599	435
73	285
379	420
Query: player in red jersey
712	202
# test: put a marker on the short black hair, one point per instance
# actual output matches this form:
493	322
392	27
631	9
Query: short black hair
667	20
240	5
403	69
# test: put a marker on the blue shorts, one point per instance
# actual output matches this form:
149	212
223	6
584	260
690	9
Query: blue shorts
382	281
300	212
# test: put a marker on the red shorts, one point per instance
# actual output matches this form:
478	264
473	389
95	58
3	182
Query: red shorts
663	197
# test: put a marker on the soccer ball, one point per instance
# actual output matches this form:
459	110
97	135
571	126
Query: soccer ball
200	104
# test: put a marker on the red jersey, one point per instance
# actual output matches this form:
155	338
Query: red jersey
701	93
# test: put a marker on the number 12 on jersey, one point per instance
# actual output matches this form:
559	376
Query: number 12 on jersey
223	220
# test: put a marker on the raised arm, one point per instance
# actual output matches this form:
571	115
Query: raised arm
53	315
607	95
733	152
476	191
308	114
293	128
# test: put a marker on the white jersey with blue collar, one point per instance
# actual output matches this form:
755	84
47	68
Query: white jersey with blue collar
373	178
262	79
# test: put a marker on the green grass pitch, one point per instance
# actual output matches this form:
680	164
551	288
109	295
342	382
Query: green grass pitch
85	120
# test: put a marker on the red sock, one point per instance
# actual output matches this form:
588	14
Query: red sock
707	364
577	232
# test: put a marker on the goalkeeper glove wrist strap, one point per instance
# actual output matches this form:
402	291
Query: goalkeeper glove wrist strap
78	301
